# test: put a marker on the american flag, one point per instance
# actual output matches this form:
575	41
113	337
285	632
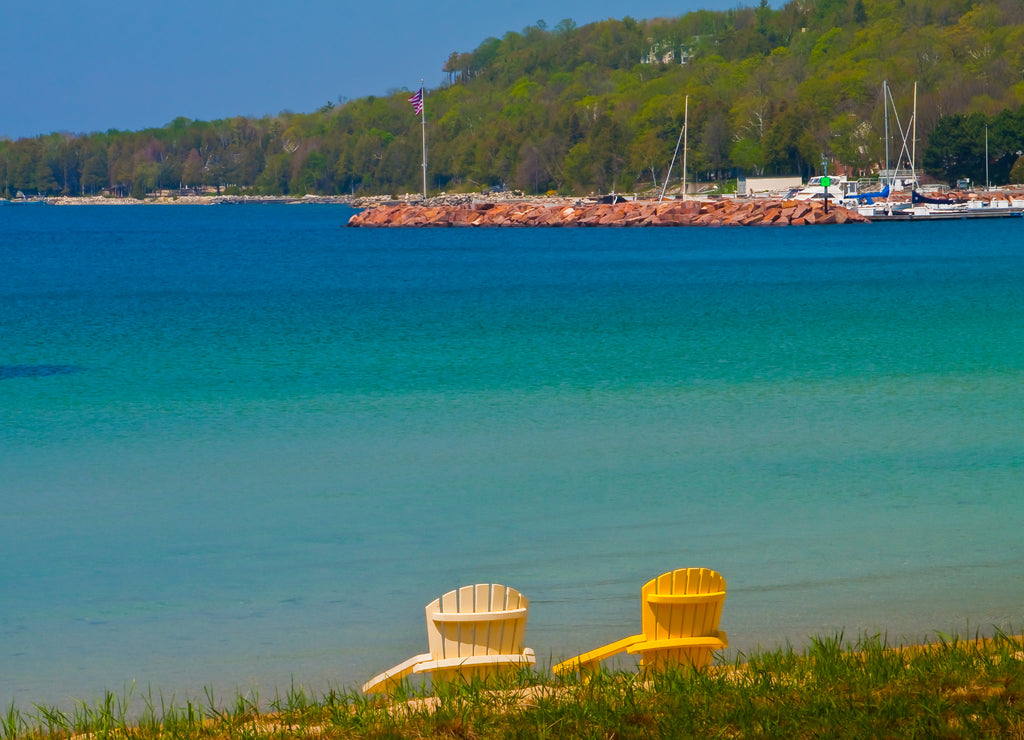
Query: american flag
417	101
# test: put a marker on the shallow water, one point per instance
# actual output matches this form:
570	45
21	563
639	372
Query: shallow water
241	446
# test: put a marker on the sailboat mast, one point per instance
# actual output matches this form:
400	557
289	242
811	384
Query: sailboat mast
682	133
686	117
913	143
885	103
988	185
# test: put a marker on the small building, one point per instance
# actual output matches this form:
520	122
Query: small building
664	52
753	187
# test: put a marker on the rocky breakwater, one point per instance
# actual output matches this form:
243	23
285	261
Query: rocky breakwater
725	212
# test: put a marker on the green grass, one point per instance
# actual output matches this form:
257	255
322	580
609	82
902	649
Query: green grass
953	688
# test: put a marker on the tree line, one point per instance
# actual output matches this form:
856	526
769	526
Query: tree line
598	108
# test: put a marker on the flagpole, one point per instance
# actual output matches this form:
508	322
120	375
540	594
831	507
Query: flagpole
424	122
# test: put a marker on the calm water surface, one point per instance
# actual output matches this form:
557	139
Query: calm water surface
241	446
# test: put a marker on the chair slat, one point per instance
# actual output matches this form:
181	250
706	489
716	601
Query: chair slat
686	599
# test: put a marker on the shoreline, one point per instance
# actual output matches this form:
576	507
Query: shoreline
182	200
917	689
480	201
353	201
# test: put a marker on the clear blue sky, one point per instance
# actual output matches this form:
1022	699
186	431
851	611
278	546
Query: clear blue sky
91	65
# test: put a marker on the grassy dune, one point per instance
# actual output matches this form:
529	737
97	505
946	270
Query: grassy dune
953	688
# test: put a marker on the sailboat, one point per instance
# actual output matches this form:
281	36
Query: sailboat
682	138
898	178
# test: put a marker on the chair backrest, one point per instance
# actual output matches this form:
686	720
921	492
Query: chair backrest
683	603
484	619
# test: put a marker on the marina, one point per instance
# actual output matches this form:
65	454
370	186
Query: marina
920	208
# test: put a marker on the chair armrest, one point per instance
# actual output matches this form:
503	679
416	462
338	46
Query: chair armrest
527	657
393	676
718	641
593	657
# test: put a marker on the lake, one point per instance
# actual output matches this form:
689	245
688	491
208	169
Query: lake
242	446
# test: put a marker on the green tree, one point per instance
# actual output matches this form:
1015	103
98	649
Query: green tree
145	178
94	174
273	180
43	180
1017	172
578	169
312	174
5	175
956	148
192	170
788	148
747	155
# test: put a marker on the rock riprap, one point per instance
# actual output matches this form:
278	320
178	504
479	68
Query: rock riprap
725	212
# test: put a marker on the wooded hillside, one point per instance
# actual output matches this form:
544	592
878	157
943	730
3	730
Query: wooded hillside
599	107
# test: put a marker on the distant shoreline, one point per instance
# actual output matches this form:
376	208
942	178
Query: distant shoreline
91	200
354	201
441	200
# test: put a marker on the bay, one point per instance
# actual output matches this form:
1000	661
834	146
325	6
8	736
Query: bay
242	446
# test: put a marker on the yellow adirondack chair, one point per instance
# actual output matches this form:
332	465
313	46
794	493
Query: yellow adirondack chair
473	631
681	611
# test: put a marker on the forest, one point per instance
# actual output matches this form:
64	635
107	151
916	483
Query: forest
599	108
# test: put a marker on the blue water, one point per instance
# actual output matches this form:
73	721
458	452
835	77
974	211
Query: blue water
244	446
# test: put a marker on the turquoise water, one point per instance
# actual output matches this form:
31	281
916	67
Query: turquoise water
241	446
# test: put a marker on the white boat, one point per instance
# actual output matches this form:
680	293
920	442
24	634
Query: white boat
839	189
922	208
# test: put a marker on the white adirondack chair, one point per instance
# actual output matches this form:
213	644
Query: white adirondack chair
473	631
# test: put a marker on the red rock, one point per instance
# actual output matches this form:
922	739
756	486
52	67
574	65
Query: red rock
628	213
